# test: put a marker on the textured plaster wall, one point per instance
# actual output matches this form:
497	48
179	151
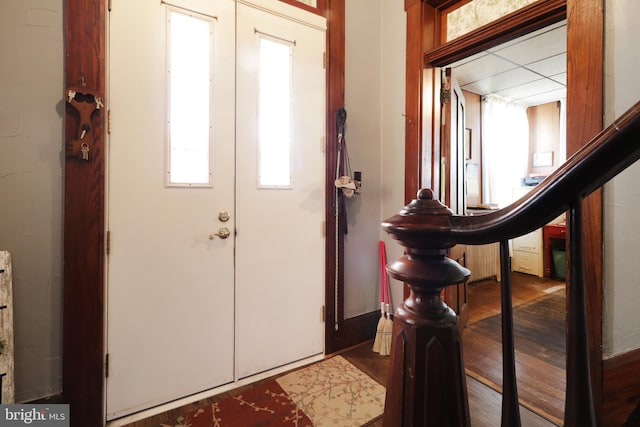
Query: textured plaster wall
31	186
374	92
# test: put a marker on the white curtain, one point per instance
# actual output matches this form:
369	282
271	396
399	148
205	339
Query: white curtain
505	149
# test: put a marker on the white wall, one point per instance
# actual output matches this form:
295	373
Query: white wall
374	98
31	186
394	37
622	195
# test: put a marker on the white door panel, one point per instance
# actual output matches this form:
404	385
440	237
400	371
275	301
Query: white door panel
280	246
170	288
186	313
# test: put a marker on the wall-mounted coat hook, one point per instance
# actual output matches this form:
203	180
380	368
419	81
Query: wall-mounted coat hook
85	102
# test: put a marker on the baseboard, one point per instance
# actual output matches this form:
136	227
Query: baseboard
621	387
357	330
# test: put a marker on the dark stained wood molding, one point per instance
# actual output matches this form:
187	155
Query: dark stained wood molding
621	387
334	339
356	330
83	319
585	110
413	101
529	18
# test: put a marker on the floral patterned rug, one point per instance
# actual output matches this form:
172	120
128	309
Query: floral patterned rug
329	393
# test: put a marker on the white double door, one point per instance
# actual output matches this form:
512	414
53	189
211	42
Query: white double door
187	310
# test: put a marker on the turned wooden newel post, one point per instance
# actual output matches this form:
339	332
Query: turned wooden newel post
426	383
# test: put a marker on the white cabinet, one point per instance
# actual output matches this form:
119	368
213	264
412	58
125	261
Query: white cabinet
527	253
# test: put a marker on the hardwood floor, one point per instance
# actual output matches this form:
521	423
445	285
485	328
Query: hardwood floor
483	378
539	329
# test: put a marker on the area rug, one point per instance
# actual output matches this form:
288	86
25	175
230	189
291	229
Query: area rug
329	393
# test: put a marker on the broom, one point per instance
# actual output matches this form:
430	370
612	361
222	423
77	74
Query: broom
387	327
377	343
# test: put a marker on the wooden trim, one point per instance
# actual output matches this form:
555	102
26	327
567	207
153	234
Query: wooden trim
83	319
522	21
320	9
335	15
621	387
356	330
413	100
585	110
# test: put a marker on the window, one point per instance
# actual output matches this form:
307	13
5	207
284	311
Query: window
274	113
189	76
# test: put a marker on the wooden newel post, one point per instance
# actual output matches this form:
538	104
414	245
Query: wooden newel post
426	384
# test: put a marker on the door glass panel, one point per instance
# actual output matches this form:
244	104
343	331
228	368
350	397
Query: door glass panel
190	41
274	114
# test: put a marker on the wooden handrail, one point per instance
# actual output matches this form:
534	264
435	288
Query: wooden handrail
426	381
605	156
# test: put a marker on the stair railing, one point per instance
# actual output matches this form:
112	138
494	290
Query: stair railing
426	383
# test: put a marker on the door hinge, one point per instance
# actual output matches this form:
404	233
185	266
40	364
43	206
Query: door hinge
108	121
106	365
324	60
323	313
108	243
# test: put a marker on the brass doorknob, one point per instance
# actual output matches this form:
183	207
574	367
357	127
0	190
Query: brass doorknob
222	233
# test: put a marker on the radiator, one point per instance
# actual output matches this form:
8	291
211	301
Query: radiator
483	261
6	329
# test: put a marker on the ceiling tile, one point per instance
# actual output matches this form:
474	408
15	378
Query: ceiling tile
481	68
515	69
508	79
550	65
561	24
534	49
560	78
543	98
530	89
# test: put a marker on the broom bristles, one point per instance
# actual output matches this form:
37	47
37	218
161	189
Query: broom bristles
377	343
385	344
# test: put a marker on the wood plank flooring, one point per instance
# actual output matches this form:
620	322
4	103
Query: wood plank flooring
484	367
539	327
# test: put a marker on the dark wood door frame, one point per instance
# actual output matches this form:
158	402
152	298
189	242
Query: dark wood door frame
585	34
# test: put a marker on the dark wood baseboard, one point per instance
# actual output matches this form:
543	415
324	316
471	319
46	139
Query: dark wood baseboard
621	383
357	330
49	400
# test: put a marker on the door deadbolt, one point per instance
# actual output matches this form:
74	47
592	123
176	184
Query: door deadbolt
223	216
222	233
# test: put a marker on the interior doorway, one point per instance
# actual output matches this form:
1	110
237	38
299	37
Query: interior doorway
216	175
512	85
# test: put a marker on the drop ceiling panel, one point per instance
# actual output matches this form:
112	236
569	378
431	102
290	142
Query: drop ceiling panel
481	68
530	69
550	65
540	86
534	49
543	98
496	83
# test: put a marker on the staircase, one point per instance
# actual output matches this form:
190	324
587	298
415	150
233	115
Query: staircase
426	383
